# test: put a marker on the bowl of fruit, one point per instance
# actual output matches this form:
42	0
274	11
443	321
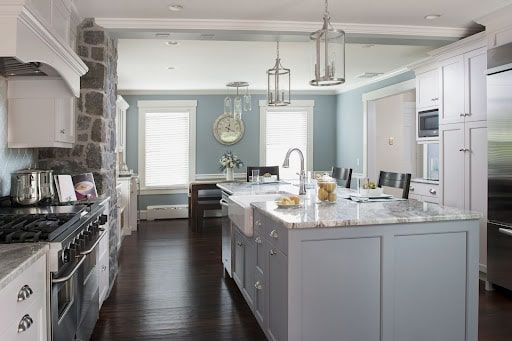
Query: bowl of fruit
369	189
288	201
326	189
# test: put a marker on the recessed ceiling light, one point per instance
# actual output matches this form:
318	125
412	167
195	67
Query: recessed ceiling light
171	43
171	68
175	8
432	16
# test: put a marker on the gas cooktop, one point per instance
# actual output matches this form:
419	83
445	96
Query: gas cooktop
16	228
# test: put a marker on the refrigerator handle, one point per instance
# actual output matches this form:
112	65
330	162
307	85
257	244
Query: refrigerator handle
506	232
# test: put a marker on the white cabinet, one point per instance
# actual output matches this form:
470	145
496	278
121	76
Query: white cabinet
463	88
475	65
239	262
56	16
427	90
41	113
452	162
31	308
103	267
127	204
451	84
426	192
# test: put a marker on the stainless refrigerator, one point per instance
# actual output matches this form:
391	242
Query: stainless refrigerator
499	115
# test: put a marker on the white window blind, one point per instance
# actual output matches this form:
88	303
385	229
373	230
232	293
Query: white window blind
285	130
167	149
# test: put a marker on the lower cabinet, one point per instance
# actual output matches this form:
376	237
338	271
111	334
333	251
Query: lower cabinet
276	294
238	264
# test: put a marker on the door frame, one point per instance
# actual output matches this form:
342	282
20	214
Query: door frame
371	96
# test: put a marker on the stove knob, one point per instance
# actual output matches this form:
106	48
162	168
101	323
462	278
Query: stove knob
103	219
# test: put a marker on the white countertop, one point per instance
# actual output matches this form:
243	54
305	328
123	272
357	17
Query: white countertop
15	258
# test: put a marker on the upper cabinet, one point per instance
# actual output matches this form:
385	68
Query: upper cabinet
462	83
451	78
41	113
427	90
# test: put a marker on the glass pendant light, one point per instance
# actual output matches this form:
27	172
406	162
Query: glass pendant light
241	101
329	47
279	82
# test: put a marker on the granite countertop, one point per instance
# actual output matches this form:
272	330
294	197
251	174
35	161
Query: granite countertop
247	188
425	181
346	213
16	258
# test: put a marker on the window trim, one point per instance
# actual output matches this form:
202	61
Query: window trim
303	105
166	106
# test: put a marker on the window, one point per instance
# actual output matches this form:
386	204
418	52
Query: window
166	145
283	128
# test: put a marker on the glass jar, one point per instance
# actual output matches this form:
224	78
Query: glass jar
326	190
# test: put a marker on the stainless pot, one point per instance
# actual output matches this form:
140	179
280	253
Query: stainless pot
30	186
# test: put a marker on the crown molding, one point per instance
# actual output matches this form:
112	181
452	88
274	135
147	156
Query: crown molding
213	92
278	26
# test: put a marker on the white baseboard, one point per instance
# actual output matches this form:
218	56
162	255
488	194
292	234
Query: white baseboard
483	268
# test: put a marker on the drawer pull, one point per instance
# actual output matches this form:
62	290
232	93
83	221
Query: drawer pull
274	234
435	99
25	293
103	268
239	244
258	285
273	252
25	323
258	223
258	240
411	189
433	191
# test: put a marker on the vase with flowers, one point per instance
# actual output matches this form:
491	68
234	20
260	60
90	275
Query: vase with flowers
228	161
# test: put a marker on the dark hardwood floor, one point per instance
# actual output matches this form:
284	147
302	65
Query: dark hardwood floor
170	287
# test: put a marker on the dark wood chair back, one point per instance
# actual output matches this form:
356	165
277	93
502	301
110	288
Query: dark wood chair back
396	180
274	170
342	174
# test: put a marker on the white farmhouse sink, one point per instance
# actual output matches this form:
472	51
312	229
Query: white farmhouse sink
241	213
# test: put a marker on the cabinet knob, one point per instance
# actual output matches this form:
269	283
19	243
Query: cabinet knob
63	131
433	191
239	244
258	285
411	189
24	293
258	223
274	234
258	240
103	268
25	323
273	252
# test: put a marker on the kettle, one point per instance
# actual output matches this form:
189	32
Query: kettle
30	186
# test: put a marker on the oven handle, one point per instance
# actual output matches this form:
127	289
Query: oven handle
85	253
71	273
506	232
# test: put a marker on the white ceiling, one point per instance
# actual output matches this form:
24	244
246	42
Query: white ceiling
209	65
455	13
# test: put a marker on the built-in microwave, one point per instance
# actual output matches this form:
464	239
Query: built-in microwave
428	123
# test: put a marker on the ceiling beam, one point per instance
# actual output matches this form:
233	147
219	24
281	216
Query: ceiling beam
263	26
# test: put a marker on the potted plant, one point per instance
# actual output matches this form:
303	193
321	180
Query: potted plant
228	161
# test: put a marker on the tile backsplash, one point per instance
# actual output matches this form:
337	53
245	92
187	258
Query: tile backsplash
10	159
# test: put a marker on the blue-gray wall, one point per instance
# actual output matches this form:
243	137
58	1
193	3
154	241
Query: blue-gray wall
208	150
349	122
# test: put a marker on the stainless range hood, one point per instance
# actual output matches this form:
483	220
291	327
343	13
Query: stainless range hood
29	47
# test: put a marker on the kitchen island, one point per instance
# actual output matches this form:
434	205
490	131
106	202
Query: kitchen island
398	270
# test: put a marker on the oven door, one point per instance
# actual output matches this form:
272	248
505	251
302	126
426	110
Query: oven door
88	292
65	304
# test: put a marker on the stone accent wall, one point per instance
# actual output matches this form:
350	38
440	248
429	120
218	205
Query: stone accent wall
94	150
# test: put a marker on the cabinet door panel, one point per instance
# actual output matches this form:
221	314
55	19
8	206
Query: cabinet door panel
277	289
476	85
452	165
250	270
238	265
452	91
476	178
427	88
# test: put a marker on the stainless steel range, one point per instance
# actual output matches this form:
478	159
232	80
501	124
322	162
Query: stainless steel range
73	233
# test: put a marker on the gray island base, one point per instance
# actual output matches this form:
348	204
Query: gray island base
394	271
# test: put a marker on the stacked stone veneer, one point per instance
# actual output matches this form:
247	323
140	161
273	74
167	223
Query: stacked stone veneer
94	150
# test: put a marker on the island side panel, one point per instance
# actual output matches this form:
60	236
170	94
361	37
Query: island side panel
459	237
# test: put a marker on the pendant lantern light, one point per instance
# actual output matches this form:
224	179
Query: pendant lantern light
329	47
279	83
